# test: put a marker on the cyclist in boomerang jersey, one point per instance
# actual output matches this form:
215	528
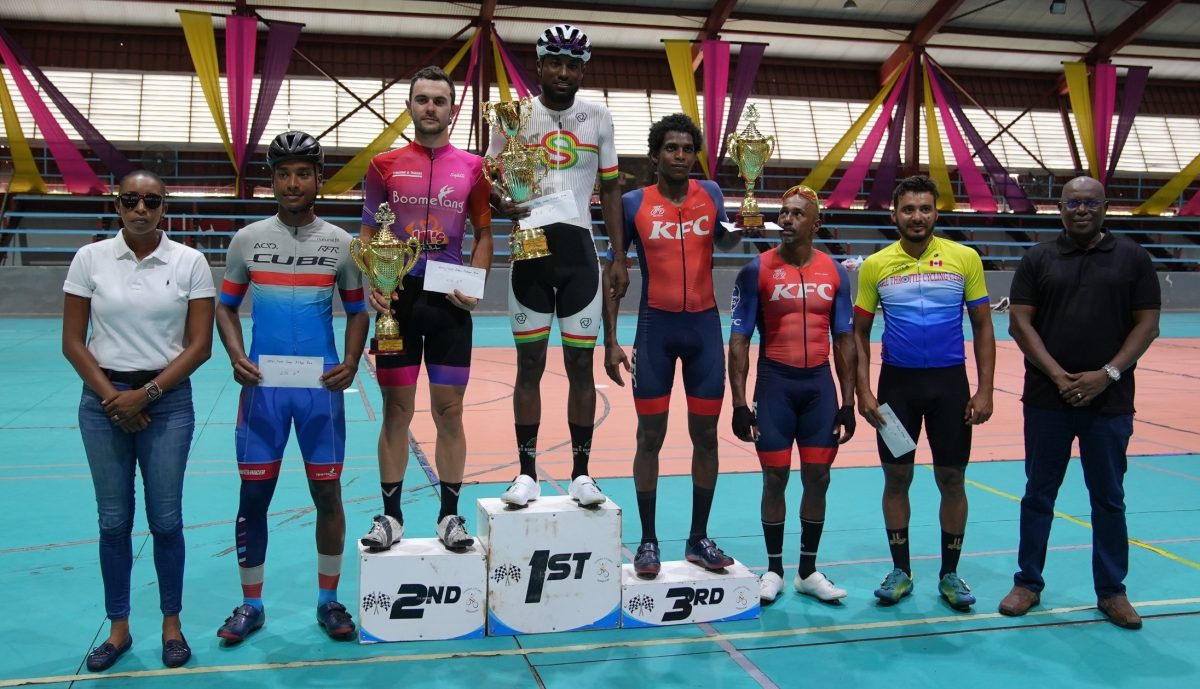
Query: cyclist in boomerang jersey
433	188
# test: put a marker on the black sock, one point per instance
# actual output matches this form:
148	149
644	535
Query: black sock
392	492
951	551
450	493
702	499
773	537
646	502
810	540
581	448
527	448
898	543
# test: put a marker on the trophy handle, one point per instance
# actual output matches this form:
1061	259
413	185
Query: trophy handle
770	146
411	255
358	251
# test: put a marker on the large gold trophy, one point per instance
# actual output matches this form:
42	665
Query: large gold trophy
751	151
385	262
518	172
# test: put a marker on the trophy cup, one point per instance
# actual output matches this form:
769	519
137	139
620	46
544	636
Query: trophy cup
516	172
750	150
385	261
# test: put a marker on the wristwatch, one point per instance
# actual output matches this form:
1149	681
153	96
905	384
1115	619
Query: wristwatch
152	391
1113	373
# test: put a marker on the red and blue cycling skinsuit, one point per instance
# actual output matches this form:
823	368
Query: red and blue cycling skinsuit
290	273
794	310
433	192
677	316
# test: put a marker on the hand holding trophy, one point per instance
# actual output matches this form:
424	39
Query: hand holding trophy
751	151
518	172
385	262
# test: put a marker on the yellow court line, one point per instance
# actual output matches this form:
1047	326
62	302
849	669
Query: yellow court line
1076	520
572	648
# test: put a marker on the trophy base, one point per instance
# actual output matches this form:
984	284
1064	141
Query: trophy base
386	347
525	245
752	221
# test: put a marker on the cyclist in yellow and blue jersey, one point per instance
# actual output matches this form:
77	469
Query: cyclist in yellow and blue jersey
923	283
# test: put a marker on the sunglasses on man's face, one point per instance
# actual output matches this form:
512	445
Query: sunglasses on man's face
130	200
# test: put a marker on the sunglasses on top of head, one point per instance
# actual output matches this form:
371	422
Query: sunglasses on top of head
130	200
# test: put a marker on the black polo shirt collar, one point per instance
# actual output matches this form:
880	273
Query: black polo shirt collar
1066	245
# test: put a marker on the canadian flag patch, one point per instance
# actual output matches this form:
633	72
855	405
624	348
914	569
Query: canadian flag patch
935	263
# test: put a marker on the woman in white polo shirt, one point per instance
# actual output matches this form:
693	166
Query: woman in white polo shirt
148	303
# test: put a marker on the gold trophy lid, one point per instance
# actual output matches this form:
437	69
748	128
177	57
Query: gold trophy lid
385	217
751	133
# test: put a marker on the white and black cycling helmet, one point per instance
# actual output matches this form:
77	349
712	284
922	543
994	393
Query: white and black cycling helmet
295	145
564	39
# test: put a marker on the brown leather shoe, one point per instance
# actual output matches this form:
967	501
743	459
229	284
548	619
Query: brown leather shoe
1120	612
1018	601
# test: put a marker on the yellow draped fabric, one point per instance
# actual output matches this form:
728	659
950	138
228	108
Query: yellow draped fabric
937	159
1081	103
1164	197
25	176
501	74
679	57
353	171
824	169
202	44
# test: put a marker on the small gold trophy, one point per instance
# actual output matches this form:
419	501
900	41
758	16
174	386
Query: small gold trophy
385	262
518	172
750	150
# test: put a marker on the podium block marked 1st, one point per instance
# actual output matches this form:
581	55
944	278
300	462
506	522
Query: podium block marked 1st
552	566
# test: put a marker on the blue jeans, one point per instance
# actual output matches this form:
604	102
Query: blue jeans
161	449
1103	441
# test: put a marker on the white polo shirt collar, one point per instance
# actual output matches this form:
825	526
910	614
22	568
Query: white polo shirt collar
121	250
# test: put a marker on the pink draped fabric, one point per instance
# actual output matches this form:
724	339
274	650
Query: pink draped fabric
1104	99
240	36
78	177
1193	207
116	161
514	75
1131	99
281	39
848	186
716	84
978	194
469	84
749	58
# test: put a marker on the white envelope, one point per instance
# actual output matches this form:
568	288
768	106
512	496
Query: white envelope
894	434
549	209
291	371
447	277
768	225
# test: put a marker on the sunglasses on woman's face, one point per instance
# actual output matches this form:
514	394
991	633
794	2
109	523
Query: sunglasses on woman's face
130	200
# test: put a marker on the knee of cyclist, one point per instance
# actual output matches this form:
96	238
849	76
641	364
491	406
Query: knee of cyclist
650	439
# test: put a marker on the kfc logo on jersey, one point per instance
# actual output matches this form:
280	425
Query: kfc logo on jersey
674	230
801	290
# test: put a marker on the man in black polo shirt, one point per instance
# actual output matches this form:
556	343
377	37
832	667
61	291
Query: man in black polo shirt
1084	308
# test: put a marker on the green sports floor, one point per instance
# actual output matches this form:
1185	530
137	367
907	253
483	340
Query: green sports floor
51	580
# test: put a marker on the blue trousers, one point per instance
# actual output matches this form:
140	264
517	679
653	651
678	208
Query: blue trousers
161	450
1103	441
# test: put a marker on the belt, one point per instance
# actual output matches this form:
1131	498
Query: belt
134	379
